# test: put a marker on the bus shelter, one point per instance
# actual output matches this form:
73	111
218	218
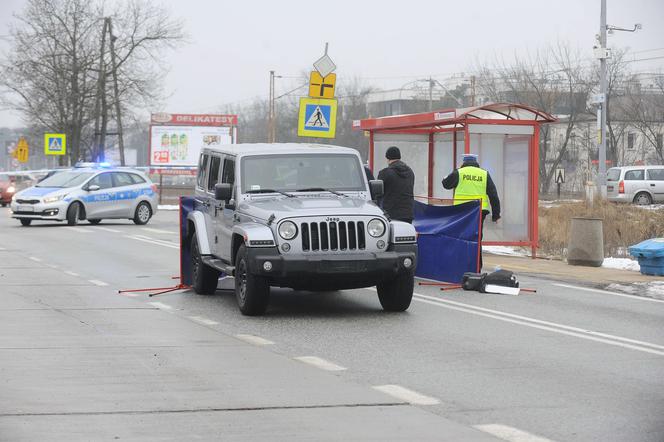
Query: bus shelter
505	136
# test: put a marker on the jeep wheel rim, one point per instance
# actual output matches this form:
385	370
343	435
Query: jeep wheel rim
242	279
143	213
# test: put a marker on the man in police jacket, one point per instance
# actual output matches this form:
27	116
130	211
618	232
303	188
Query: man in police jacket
471	182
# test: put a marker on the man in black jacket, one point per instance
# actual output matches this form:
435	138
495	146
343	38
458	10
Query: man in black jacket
398	181
476	183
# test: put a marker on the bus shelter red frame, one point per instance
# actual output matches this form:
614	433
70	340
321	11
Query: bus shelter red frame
459	120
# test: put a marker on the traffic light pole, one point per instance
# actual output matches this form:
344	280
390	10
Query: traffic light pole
601	175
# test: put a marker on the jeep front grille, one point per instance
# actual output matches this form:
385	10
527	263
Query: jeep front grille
334	235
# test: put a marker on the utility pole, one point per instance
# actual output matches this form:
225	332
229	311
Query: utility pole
472	91
430	93
98	147
601	175
116	93
603	100
271	132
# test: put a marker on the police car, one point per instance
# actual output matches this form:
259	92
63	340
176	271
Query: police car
89	193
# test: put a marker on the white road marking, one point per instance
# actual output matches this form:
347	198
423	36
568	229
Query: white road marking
202	320
35	259
256	340
160	305
78	229
407	395
590	335
150	229
53	266
129	295
157	242
2	248
320	363
510	434
106	229
606	292
70	273
98	282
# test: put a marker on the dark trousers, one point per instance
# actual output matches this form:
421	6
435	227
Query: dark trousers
484	214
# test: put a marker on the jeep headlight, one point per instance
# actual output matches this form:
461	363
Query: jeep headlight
53	199
288	230
376	228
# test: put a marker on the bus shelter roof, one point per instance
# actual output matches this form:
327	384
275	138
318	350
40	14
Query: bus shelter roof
510	113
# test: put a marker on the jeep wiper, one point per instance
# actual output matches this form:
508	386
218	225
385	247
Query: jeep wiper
320	189
289	195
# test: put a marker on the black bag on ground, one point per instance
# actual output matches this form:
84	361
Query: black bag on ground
503	278
472	281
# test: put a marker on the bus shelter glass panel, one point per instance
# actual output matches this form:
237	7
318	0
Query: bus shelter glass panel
506	157
443	163
414	152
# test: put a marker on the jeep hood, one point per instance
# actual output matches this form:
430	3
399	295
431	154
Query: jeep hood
284	207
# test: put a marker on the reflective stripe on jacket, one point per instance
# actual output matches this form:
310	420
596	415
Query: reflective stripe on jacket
472	186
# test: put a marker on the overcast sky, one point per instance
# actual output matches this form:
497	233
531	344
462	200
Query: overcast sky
233	44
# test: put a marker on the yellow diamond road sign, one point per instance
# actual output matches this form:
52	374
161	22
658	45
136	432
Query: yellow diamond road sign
318	118
55	144
322	87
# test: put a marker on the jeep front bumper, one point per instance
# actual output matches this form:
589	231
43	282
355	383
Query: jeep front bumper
332	272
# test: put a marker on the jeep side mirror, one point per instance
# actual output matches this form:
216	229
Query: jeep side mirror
223	191
92	188
376	189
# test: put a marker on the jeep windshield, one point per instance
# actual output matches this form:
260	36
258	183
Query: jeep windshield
66	179
302	173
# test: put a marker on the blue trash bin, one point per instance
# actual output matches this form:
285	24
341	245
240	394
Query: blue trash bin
650	254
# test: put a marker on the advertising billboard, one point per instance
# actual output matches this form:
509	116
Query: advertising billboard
177	139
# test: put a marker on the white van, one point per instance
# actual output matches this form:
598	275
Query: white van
636	184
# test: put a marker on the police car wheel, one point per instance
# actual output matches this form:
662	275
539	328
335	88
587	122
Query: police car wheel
251	291
396	295
143	214
73	214
26	222
94	221
205	278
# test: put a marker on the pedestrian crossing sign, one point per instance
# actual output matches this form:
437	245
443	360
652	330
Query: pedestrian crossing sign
55	144
318	118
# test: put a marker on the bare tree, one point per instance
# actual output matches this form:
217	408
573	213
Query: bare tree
553	80
53	69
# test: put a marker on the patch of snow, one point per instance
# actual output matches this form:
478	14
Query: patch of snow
621	264
651	207
654	289
503	250
168	207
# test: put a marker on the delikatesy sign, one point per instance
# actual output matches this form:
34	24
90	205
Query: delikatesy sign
193	119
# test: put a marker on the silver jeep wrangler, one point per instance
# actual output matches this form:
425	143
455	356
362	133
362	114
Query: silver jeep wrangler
295	215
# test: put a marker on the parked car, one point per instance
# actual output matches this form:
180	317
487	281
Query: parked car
636	184
7	189
88	193
295	215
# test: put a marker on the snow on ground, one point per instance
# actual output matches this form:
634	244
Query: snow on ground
505	251
621	264
653	289
168	207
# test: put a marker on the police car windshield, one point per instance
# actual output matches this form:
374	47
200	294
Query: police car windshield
66	179
294	172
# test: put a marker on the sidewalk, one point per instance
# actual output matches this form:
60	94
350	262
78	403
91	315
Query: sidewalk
560	270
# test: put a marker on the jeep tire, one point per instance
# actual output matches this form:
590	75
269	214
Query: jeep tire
25	222
395	295
204	278
251	291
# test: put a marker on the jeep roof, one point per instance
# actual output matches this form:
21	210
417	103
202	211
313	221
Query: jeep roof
279	148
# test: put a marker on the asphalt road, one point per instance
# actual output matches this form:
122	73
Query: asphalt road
564	364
